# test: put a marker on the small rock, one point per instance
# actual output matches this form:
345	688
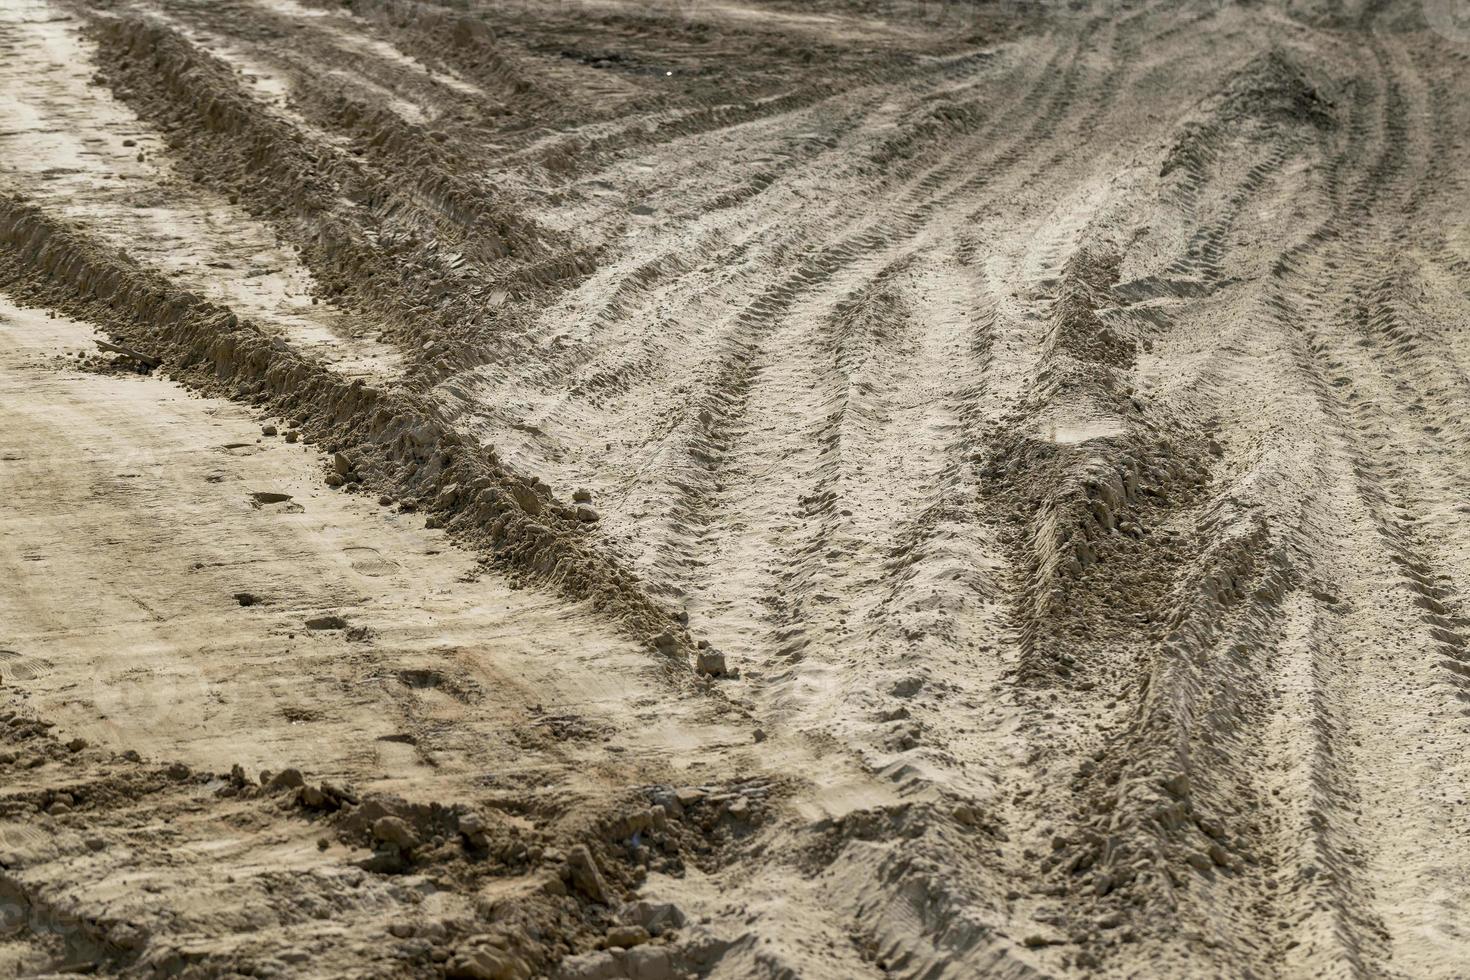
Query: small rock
392	830
656	917
1199	861
287	779
292	435
341	464
585	876
710	661
76	745
650	963
268	430
582	495
526	499
586	514
485	964
760	735
626	937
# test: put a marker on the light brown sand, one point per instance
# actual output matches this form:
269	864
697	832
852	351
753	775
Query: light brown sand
734	490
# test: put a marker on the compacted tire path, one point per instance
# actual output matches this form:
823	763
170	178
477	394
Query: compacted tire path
755	489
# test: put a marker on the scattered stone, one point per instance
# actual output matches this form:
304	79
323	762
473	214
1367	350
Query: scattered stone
76	745
582	496
341	464
586	514
326	623
268	430
292	435
760	735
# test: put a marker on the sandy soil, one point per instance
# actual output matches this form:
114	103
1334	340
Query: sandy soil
609	490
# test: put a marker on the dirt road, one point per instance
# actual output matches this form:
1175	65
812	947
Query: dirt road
602	490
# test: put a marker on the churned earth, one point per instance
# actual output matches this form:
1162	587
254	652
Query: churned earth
596	489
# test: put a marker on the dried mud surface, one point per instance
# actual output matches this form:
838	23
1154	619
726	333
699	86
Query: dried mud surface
606	490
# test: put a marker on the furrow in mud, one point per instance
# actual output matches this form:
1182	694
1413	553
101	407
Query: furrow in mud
79	153
354	225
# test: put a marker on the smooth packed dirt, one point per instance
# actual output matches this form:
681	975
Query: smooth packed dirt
596	489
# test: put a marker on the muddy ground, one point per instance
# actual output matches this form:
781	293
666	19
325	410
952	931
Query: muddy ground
500	488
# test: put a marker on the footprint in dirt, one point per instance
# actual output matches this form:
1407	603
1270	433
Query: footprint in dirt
281	502
18	667
369	561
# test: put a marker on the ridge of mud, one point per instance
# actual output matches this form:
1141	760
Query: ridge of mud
389	243
528	890
392	438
